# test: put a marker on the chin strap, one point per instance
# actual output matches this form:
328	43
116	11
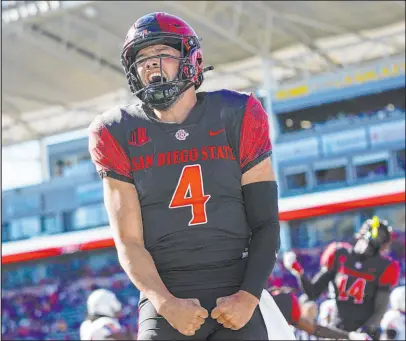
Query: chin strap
179	86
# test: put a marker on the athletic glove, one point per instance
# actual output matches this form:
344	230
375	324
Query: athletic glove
290	262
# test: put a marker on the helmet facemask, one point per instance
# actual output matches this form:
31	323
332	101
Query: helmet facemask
163	93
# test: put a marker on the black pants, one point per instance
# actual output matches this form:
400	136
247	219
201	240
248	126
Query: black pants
152	326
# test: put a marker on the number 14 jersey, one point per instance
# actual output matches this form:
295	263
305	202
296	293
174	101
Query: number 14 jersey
357	282
188	179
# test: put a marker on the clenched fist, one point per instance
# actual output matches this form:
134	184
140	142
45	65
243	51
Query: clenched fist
185	315
290	263
235	311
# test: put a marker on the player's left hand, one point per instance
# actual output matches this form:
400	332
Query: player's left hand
235	311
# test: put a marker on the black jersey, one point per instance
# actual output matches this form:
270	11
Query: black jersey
357	281
188	179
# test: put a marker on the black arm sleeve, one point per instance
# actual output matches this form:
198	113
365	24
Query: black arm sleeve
380	308
318	284
261	206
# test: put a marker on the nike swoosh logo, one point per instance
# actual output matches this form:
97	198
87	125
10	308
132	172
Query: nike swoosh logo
214	133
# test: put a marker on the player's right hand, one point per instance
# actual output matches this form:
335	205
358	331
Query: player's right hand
185	315
290	263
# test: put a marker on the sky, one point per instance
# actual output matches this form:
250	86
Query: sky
21	163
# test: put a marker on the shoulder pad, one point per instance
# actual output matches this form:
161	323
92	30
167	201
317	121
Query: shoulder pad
232	98
328	257
116	115
85	331
104	327
390	276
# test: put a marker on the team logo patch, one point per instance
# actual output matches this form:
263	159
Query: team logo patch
138	137
181	134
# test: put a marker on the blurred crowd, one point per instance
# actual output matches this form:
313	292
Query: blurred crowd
349	119
52	307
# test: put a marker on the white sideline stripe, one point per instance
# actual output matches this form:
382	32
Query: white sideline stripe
285	205
61	240
342	195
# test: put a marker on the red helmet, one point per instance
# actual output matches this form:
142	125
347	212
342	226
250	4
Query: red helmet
163	28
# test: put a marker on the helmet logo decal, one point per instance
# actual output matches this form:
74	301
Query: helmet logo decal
143	34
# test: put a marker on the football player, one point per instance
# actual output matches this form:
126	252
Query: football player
361	275
328	308
393	322
291	310
101	322
189	189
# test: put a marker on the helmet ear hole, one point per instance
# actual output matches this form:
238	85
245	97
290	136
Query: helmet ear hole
191	71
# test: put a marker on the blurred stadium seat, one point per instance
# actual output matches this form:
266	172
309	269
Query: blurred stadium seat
337	113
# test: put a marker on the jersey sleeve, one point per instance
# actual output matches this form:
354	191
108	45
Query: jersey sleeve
255	143
107	154
296	312
328	257
390	277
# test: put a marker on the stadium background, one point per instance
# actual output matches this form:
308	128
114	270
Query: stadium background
331	75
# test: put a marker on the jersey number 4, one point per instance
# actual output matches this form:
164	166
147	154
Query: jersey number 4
190	192
356	290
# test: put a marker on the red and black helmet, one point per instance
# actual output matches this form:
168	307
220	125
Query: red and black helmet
163	28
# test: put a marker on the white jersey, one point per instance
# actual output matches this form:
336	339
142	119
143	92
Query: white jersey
100	329
393	320
327	313
276	325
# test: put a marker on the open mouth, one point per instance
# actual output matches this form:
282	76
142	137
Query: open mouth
155	78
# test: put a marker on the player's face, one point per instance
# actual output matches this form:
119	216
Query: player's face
148	63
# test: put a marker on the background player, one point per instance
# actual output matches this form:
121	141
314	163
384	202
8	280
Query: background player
393	322
102	322
361	276
328	308
189	190
291	310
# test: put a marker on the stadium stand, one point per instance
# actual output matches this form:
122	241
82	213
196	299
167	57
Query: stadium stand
339	140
